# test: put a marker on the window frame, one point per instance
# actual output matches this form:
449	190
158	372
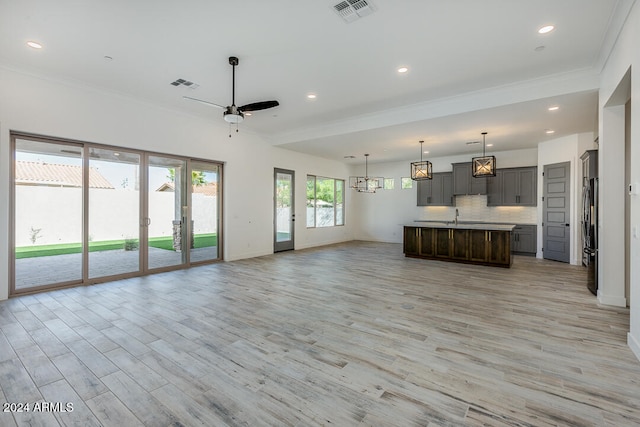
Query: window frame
338	218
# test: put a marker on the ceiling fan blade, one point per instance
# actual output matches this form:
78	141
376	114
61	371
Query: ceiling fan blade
263	105
211	104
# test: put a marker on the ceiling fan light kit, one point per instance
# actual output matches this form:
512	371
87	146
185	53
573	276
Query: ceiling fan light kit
483	166
421	170
233	114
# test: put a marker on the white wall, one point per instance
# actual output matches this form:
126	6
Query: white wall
382	215
624	56
45	107
560	150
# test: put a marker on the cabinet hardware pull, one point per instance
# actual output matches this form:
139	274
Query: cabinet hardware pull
489	236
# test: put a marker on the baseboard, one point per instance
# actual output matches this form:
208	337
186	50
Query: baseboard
634	345
608	300
325	243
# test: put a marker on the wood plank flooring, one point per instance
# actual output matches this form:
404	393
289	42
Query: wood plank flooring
353	334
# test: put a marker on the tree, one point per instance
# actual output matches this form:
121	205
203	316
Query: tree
197	177
323	190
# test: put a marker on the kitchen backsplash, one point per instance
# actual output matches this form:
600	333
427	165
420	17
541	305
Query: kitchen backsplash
474	208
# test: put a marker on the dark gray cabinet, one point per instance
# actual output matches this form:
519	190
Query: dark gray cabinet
437	191
494	189
524	239
590	164
464	183
513	187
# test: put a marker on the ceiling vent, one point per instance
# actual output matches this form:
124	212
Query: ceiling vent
187	83
350	10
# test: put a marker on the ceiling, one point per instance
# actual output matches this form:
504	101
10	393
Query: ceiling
473	66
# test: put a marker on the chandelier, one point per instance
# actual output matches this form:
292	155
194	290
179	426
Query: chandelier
485	165
421	170
366	183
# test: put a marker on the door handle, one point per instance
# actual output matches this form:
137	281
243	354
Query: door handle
567	225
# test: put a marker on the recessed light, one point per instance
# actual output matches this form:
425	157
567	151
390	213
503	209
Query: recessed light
116	154
34	45
554	108
247	114
549	131
546	29
425	152
108	58
489	145
402	70
311	96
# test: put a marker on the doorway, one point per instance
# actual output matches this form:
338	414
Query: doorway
283	210
84	213
556	228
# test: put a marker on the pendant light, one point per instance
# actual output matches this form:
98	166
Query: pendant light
366	184
485	165
421	170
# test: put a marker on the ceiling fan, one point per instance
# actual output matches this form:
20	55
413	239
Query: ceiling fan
232	113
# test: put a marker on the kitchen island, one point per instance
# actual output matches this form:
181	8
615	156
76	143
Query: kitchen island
472	243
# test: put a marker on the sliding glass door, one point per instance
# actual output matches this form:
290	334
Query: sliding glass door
114	212
205	206
166	220
47	214
83	213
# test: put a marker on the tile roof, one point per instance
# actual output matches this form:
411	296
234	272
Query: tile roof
55	175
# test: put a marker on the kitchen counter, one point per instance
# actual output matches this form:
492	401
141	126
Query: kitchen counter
470	243
463	225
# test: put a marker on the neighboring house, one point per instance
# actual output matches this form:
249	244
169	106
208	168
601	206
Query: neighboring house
56	175
208	189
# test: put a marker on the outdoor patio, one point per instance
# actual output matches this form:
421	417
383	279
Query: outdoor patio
45	270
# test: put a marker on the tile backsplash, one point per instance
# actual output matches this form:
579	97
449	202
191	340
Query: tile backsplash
474	208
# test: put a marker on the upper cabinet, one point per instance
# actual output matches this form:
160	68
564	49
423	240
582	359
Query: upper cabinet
437	191
513	187
464	183
494	189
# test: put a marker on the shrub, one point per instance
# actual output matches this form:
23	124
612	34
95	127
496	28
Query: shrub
131	244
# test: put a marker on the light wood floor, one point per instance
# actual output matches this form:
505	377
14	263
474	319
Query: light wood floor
346	335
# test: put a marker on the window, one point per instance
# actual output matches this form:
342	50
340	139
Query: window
325	201
81	209
407	183
389	183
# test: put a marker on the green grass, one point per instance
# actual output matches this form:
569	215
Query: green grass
200	241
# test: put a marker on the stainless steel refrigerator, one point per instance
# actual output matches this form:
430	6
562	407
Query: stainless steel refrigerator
590	232
590	217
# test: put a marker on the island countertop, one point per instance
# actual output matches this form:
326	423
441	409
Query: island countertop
462	225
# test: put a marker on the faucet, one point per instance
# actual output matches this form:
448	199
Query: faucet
457	215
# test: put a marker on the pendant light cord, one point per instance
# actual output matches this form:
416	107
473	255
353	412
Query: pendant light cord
484	139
